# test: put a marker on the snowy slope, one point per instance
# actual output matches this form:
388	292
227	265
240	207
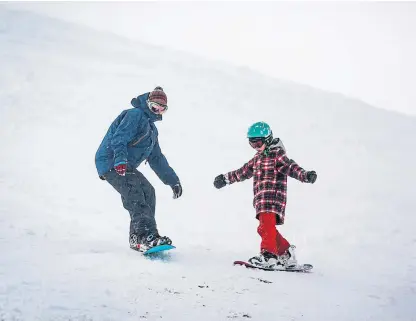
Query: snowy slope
63	232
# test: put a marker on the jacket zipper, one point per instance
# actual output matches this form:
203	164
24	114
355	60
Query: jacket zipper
139	139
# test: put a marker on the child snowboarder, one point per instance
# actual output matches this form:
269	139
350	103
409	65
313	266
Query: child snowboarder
270	168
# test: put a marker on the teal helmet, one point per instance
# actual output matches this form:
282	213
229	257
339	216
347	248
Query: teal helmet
260	130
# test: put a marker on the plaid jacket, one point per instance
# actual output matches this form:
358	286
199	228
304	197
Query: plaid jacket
270	170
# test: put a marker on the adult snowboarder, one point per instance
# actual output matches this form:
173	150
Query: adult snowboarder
270	168
131	139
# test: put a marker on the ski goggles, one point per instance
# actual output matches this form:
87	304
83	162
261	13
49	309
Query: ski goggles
256	142
157	108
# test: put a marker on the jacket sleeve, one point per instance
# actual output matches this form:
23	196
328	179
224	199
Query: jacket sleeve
242	173
124	133
289	167
160	166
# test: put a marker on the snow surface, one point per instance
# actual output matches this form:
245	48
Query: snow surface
63	232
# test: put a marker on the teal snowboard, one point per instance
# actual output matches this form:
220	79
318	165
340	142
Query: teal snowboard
159	248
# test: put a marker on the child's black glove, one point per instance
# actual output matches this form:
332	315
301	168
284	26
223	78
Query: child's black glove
220	181
311	177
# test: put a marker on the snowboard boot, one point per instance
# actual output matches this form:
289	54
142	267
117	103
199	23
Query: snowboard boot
288	259
265	260
134	241
145	243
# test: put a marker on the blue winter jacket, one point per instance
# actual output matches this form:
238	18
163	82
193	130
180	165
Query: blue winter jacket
133	138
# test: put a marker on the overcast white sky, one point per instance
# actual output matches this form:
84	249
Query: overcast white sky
362	49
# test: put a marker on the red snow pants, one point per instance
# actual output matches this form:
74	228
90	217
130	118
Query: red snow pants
271	240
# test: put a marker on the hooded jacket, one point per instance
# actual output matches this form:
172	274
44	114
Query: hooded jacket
133	138
269	170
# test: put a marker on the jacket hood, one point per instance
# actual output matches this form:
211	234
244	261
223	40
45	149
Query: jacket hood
141	103
276	143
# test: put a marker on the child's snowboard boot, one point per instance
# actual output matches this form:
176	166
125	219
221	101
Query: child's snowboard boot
288	259
265	260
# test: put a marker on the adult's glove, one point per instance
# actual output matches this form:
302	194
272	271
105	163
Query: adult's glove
121	168
177	191
220	181
311	177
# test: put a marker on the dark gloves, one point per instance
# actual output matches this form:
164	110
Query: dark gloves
311	177
121	168
220	181
177	191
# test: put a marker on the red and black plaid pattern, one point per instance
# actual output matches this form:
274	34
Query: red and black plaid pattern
270	171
